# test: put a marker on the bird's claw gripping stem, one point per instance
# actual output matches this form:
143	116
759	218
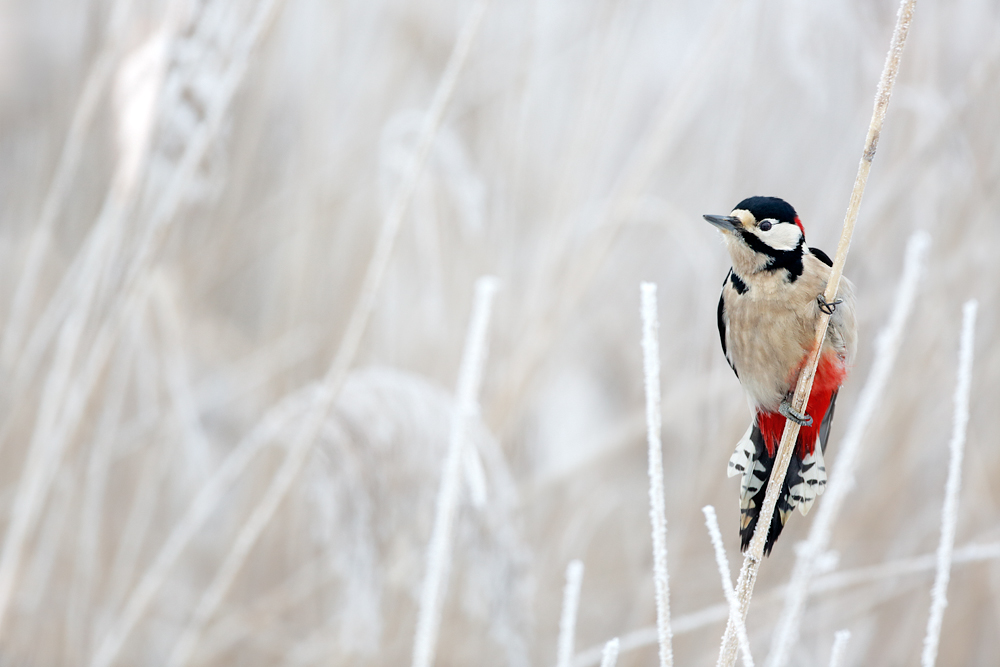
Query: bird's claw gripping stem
827	306
789	412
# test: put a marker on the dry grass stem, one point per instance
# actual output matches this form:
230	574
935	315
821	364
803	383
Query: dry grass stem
712	522
755	552
949	513
657	511
840	639
609	656
570	607
466	408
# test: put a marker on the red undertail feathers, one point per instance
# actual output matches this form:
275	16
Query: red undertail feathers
830	375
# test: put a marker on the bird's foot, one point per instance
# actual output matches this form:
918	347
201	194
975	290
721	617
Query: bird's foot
789	412
827	306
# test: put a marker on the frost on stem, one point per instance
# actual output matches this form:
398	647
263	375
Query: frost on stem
609	657
657	511
567	620
949	513
727	582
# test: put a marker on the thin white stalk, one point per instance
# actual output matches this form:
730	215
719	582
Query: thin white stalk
887	346
129	539
91	517
142	506
53	529
46	446
657	511
337	373
570	606
475	477
609	657
949	513
194	442
727	582
803	387
466	408
840	639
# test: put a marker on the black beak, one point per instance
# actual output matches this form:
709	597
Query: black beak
727	223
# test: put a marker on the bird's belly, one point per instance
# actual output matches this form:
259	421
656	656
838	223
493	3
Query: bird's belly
767	343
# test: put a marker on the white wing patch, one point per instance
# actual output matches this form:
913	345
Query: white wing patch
754	474
813	484
741	459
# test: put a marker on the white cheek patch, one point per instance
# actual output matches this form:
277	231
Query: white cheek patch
781	236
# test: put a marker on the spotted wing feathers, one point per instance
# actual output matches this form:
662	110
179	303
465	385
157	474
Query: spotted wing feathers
812	473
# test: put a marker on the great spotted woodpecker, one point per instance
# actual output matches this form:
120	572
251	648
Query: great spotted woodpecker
771	299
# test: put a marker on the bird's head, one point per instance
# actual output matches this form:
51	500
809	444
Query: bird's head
762	234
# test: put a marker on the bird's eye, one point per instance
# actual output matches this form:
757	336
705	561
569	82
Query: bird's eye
765	226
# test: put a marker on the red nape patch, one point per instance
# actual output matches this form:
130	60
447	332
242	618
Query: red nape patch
801	228
830	375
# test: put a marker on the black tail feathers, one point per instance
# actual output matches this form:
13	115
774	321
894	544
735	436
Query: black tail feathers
750	504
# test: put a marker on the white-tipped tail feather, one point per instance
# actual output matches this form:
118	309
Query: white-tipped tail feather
813	476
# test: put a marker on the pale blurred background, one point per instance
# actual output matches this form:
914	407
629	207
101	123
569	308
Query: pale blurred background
189	198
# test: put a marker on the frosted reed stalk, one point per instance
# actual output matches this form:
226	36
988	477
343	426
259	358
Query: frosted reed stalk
466	408
609	657
657	511
727	582
840	639
949	513
803	387
887	346
567	620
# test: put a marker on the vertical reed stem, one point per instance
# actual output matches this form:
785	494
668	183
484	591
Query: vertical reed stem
755	553
657	511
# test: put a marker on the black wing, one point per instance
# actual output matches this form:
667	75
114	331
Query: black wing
821	256
824	426
721	315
